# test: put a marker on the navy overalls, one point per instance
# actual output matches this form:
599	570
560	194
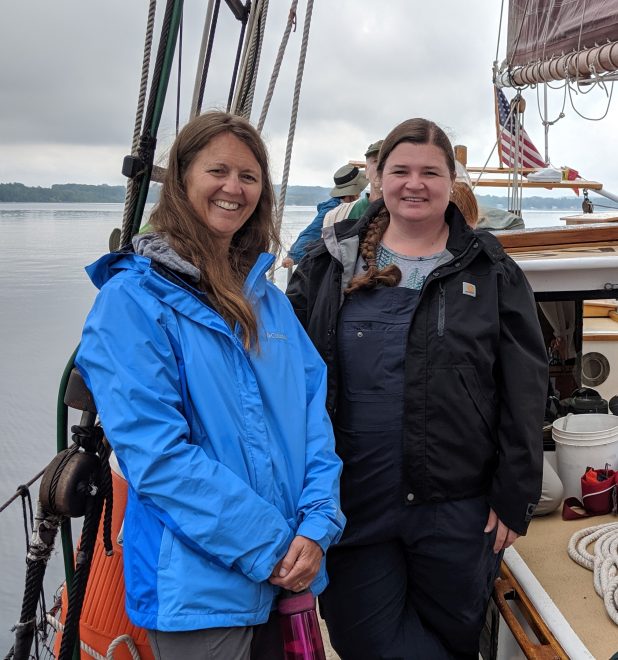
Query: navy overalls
406	581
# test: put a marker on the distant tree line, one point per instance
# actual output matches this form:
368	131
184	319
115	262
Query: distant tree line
68	192
295	196
534	202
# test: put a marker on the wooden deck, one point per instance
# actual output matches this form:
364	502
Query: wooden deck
544	549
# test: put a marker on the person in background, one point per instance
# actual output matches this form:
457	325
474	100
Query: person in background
349	184
437	380
464	199
212	397
354	210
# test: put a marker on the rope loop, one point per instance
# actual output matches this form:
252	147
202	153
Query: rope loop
603	561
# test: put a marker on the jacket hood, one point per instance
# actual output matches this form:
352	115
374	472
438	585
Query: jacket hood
151	252
157	249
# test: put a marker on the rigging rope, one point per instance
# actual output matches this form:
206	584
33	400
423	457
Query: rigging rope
521	25
603	562
154	110
241	41
179	75
277	66
243	99
256	45
30	626
294	115
213	18
19	491
609	101
132	188
499	33
200	59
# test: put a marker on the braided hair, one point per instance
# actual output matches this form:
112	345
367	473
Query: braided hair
389	276
416	131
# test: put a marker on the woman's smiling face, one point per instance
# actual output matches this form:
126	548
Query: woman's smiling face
416	183
224	185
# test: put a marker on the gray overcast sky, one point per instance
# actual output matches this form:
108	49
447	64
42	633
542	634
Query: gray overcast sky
70	73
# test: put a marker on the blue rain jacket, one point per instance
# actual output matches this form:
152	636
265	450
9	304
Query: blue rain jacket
229	454
313	231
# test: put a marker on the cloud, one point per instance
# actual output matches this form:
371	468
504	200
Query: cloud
70	84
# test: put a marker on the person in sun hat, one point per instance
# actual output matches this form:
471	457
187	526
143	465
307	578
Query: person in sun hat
349	184
354	210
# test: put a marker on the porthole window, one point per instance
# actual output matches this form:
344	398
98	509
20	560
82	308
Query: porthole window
595	369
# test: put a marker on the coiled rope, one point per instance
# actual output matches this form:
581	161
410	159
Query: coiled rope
115	643
603	562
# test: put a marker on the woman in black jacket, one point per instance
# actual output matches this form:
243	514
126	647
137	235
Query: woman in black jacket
437	383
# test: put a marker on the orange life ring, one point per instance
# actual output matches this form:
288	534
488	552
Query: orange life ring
103	616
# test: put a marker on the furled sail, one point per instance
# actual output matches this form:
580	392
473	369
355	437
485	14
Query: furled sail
560	40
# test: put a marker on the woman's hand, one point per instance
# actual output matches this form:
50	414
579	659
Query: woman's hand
300	565
505	537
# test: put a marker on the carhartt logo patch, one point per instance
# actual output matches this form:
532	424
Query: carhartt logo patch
469	289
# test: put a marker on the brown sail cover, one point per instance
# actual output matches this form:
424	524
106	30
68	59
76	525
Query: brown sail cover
540	29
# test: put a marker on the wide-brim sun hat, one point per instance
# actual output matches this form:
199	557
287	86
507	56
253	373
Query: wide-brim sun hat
349	180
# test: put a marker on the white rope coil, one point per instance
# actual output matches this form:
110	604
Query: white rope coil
603	562
121	639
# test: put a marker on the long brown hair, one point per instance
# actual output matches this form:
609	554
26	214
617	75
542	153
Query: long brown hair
416	131
174	216
464	199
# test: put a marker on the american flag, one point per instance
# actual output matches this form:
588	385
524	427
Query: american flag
528	155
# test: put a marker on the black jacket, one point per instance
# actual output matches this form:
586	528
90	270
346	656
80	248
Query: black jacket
476	367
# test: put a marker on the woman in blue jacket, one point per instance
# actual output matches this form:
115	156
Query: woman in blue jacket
212	397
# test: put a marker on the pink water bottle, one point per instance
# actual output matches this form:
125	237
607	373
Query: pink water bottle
302	639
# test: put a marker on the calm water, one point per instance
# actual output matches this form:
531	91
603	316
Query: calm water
44	298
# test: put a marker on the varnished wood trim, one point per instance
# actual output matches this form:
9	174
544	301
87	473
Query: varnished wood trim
548	648
550	237
525	183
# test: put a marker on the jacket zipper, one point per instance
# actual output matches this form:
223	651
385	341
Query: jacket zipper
442	293
441	310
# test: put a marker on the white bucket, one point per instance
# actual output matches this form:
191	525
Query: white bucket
589	440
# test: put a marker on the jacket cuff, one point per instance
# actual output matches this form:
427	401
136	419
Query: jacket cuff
261	571
516	518
315	533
